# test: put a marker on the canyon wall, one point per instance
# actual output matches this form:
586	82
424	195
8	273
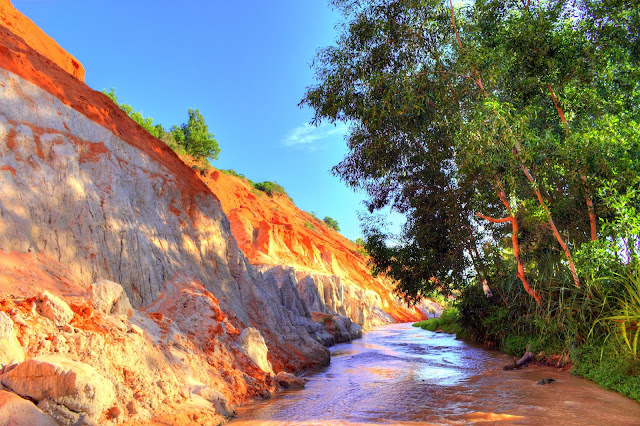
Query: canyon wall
329	271
133	288
89	196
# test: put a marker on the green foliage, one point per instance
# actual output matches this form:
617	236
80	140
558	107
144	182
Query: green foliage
521	110
447	322
623	310
146	123
232	172
309	225
609	365
493	115
195	137
270	188
192	138
332	223
580	323
359	243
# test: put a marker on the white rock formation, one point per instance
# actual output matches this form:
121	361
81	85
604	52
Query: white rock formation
110	298
141	215
74	385
54	308
10	349
212	396
16	411
252	344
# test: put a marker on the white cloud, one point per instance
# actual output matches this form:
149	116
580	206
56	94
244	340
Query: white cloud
309	136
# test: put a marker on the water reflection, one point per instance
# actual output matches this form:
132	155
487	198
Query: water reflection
401	375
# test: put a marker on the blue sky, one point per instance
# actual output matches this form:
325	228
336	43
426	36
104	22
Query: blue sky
244	64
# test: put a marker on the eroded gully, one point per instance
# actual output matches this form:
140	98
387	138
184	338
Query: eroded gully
399	374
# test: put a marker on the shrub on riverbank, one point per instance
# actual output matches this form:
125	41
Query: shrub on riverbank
447	322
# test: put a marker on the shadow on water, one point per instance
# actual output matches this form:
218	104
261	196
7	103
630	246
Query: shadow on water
398	374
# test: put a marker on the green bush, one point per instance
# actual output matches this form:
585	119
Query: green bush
609	365
270	188
146	123
192	138
232	172
447	322
309	225
331	223
195	137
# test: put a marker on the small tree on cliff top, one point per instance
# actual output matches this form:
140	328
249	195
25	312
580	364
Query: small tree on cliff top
332	223
195	137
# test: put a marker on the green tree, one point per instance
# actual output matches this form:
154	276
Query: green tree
492	122
192	138
195	137
332	223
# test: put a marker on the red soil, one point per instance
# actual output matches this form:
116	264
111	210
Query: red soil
273	231
23	27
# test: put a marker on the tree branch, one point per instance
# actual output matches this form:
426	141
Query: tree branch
453	22
559	108
494	220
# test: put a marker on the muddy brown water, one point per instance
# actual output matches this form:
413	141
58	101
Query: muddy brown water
399	374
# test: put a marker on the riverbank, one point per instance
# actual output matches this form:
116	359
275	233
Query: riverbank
601	360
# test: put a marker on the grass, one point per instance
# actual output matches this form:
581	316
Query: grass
447	322
609	365
232	172
593	328
625	318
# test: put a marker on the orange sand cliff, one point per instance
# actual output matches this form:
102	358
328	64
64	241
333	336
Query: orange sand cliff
23	27
92	201
152	303
273	231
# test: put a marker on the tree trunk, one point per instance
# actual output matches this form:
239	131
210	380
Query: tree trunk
514	241
552	225
592	212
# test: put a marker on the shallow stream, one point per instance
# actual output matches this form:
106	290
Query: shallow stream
399	374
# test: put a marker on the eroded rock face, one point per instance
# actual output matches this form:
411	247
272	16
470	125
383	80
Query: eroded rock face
88	195
38	40
74	385
329	294
331	275
289	381
10	349
19	411
141	214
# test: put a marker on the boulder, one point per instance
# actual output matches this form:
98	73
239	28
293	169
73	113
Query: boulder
62	382
289	381
220	403
252	344
54	308
19	411
110	298
12	351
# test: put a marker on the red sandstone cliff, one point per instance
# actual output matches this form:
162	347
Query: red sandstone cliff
124	293
152	310
273	233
